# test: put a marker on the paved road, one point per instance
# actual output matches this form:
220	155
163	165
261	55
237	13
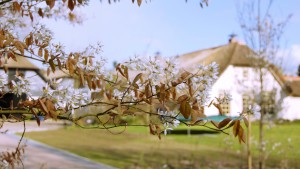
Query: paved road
41	156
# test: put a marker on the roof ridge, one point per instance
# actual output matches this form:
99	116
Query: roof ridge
20	63
205	49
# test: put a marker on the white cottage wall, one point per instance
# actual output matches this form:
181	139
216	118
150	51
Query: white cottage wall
291	109
238	81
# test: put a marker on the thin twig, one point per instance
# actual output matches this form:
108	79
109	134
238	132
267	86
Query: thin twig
23	133
4	2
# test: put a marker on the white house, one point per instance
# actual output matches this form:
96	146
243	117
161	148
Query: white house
236	77
239	78
292	101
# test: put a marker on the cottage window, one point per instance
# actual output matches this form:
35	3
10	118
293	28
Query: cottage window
245	73
225	108
247	101
268	101
224	105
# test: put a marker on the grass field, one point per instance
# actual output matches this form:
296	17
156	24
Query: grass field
136	148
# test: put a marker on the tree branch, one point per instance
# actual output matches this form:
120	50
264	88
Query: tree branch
4	2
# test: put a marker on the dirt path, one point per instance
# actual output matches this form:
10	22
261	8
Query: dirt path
38	155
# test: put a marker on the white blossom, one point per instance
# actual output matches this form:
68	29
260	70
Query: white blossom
169	120
3	81
66	97
21	85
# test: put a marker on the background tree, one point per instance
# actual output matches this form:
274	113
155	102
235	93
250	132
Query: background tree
263	35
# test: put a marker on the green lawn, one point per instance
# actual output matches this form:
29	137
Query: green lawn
136	148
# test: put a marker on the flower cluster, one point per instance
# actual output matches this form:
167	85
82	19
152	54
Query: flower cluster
158	69
127	96
202	83
87	64
3	81
41	34
168	119
166	71
65	97
21	85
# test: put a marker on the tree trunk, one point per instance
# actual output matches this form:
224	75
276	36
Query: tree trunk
249	143
261	141
261	121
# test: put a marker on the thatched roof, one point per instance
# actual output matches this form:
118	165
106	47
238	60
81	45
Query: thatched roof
233	53
230	54
293	82
56	75
22	63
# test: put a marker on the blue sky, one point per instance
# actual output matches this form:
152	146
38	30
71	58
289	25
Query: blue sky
168	26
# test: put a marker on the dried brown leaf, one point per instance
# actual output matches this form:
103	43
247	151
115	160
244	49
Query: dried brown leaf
185	109
241	135
151	129
19	45
5	68
71	4
139	2
118	68
236	128
158	131
162	92
182	98
40	52
53	114
126	72
189	83
89	82
50	3
43	106
246	122
46	54
147	91
36	117
40	12
224	122
59	63
52	65
137	77
50	106
29	40
173	92
16	6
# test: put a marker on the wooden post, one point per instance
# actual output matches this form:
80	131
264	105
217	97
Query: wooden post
249	155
